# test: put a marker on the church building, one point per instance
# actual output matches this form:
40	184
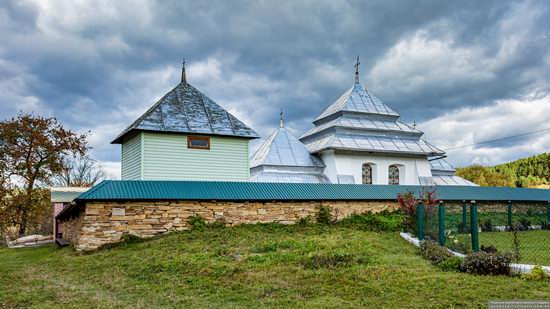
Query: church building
356	140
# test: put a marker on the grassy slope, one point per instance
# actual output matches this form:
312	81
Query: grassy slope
248	266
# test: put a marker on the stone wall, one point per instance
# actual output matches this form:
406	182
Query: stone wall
106	222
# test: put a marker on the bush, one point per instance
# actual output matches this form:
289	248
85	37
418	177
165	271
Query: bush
483	263
488	249
324	215
434	252
453	263
524	225
537	274
487	226
218	224
197	222
304	221
544	225
380	222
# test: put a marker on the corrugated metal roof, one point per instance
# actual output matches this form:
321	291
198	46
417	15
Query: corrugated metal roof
258	191
284	176
187	110
451	180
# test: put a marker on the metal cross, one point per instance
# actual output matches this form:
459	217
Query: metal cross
281	118
357	65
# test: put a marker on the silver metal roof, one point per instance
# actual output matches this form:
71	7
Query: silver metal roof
452	180
283	158
358	99
284	149
371	143
187	110
359	121
441	166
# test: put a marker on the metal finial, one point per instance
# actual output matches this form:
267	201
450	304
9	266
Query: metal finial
414	124
183	77
281	123
357	70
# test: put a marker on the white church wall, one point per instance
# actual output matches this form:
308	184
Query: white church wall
351	164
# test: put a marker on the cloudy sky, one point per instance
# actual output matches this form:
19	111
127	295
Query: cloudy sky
465	71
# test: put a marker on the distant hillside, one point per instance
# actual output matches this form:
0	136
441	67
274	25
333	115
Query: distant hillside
527	172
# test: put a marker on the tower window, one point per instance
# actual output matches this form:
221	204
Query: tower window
367	174
393	178
198	142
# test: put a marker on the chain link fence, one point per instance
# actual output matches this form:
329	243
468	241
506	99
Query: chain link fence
520	228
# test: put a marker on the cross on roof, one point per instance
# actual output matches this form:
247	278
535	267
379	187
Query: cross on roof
281	124
357	70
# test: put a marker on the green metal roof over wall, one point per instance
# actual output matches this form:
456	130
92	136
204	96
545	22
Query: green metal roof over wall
250	191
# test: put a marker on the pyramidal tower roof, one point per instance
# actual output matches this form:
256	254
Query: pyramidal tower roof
187	110
283	158
359	121
284	149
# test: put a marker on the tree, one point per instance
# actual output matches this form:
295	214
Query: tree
80	171
33	149
484	176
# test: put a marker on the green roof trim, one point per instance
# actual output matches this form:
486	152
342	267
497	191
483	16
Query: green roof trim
115	190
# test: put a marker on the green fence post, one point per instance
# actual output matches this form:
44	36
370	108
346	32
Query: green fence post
420	223
473	226
510	215
441	212
464	217
548	213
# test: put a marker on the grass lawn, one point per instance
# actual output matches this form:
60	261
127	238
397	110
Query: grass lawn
249	266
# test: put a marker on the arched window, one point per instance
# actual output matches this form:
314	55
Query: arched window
393	177
367	174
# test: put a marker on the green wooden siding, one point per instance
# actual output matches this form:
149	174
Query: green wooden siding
166	157
131	158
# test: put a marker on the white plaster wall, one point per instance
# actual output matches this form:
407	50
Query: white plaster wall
351	164
330	165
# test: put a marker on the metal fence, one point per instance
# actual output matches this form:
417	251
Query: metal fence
522	229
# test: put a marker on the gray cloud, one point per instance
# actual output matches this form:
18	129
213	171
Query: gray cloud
98	65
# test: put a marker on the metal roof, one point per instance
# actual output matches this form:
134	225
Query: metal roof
283	148
259	191
451	180
358	99
187	110
358	121
65	194
371	143
441	165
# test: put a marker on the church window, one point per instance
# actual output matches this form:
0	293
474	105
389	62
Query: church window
367	174
393	178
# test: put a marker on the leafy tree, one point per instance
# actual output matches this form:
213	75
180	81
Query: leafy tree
32	150
484	176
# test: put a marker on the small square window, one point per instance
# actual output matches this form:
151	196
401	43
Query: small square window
198	142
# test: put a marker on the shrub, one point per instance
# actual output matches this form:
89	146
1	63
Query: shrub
453	263
483	263
324	215
488	249
462	228
523	225
434	252
304	221
197	222
408	205
536	274
544	225
380	222
218	224
487	226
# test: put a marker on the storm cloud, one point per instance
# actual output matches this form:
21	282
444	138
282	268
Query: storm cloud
465	71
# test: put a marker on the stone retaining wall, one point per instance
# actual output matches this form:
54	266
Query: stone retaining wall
105	222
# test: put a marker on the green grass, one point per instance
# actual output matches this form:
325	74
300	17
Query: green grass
249	266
